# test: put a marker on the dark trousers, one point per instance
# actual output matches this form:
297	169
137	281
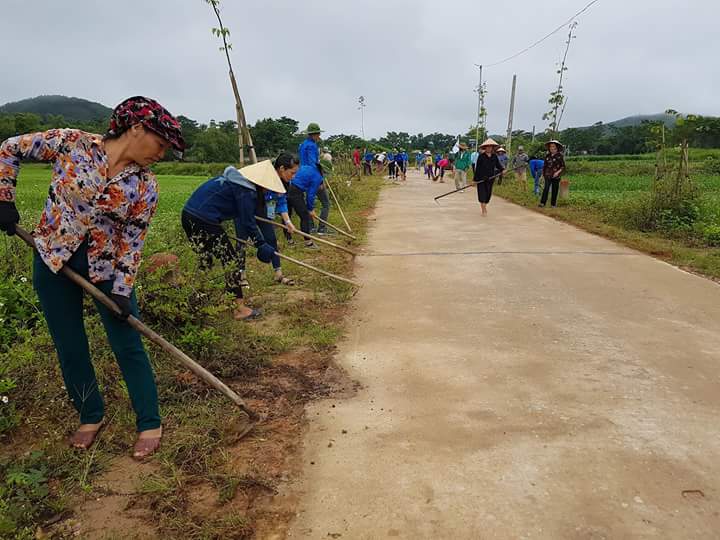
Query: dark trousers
484	190
391	169
324	199
62	305
209	240
287	234
555	184
296	201
268	232
367	168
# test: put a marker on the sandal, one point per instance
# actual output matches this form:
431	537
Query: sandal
146	447
83	440
254	314
285	281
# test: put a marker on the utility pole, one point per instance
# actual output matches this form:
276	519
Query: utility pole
479	111
533	135
361	101
508	140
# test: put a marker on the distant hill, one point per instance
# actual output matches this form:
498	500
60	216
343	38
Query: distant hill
71	108
638	119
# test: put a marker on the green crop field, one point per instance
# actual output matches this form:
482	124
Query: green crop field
608	196
191	309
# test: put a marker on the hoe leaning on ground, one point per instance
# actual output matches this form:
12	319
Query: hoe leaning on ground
470	184
153	336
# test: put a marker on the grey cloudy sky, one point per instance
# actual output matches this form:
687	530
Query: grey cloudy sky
412	60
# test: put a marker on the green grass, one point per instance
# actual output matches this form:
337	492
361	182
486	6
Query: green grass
193	312
605	195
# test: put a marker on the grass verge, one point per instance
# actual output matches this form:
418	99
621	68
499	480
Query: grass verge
205	482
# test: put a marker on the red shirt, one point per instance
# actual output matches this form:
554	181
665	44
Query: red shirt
356	157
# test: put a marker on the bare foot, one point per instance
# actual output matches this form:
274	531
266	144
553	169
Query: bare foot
148	442
85	435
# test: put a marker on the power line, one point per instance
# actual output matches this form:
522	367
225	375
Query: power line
538	42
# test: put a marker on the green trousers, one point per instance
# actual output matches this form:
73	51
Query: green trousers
62	305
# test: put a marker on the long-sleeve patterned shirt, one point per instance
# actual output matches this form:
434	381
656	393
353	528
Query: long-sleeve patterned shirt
113	214
554	165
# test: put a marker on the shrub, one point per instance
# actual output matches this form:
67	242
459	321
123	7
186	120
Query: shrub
711	235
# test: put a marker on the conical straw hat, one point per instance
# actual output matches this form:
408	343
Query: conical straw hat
264	174
489	142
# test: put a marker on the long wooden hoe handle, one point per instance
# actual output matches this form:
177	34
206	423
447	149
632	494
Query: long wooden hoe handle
146	331
300	263
308	236
337	203
321	220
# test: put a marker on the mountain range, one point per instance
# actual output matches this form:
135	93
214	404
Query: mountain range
82	110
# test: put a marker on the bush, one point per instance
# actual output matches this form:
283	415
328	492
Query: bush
19	309
711	235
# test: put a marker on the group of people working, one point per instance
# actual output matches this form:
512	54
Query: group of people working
395	162
491	163
101	202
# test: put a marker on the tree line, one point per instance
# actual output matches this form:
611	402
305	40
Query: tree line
217	141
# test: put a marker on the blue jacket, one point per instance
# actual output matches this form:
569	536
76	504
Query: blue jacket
230	196
536	165
309	153
438	157
402	157
276	200
390	157
308	179
369	156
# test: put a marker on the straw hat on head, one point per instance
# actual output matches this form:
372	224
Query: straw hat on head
264	174
463	146
560	145
489	142
428	153
501	149
313	129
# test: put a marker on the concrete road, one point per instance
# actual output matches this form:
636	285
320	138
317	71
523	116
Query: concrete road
522	379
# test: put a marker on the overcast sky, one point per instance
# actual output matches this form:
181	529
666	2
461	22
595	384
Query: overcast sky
412	60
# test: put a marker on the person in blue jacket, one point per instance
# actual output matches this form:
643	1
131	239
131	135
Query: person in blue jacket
309	154
301	197
391	163
536	169
230	196
401	160
275	204
367	162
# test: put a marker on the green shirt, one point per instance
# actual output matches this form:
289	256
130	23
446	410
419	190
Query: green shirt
462	161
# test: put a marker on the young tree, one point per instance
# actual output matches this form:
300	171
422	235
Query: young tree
557	98
243	132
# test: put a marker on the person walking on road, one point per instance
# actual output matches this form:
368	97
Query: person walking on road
536	167
429	165
101	201
519	165
552	169
488	166
462	164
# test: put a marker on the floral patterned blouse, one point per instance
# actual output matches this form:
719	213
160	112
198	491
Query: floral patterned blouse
113	214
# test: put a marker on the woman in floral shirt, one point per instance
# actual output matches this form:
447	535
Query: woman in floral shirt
101	200
553	168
